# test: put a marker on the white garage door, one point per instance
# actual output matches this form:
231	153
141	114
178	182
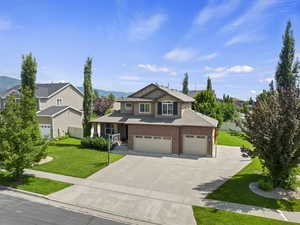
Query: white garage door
45	130
152	144
194	144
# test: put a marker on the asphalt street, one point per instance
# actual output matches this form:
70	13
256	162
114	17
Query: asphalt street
17	211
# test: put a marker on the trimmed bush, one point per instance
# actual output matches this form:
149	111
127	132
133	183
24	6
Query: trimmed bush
98	143
265	184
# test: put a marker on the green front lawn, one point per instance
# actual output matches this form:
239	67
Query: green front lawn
225	138
208	216
72	160
33	184
237	190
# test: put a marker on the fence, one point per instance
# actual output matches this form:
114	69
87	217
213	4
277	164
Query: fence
75	132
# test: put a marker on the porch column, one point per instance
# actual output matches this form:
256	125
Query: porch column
92	130
99	129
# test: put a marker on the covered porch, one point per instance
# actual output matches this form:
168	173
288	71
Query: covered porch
105	129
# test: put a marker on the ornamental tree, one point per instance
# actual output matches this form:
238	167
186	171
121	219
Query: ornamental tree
273	125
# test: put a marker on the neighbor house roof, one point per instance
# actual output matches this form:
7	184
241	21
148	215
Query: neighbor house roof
173	92
42	90
188	118
54	110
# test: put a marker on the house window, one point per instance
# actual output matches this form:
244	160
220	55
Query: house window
144	107
167	108
109	129
59	102
128	106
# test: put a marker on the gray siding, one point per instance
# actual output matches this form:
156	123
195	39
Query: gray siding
66	119
70	97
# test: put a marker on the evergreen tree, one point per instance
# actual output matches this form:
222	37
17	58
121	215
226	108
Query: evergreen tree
273	125
209	85
28	86
88	97
185	84
28	73
271	86
111	97
17	148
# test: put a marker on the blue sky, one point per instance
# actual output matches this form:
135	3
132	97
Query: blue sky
135	42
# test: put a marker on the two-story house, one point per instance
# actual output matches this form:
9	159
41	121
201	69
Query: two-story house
157	119
59	107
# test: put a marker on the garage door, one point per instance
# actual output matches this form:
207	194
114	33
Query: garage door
194	144
45	130
152	144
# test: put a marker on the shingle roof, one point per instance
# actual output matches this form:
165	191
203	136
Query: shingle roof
123	99
52	110
42	90
188	118
177	94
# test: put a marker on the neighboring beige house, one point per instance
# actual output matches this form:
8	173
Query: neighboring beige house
159	120
59	107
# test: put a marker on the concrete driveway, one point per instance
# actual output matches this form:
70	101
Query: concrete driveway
156	189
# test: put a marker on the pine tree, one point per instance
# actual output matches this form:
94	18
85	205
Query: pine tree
28	86
273	125
88	97
209	85
17	148
185	84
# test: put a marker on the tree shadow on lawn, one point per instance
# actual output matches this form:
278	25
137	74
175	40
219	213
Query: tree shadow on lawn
236	190
7	179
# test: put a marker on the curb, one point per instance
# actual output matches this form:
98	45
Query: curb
130	220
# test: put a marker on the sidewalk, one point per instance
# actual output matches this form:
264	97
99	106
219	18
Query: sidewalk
53	176
227	206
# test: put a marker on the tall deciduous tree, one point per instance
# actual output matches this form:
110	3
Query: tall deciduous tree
28	87
185	84
273	125
88	97
17	148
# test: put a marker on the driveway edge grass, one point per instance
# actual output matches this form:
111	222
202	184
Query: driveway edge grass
236	190
33	184
72	160
209	216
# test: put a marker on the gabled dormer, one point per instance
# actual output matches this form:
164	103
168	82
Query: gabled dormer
157	101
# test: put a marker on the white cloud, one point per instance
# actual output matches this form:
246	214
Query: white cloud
180	54
132	78
298	55
257	12
219	72
253	92
143	28
214	11
5	24
244	38
208	56
155	69
240	69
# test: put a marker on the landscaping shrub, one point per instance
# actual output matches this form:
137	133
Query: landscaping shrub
98	143
265	184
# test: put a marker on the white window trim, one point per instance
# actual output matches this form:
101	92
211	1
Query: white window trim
162	108
145	104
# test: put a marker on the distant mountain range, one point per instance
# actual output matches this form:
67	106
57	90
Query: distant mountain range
8	82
